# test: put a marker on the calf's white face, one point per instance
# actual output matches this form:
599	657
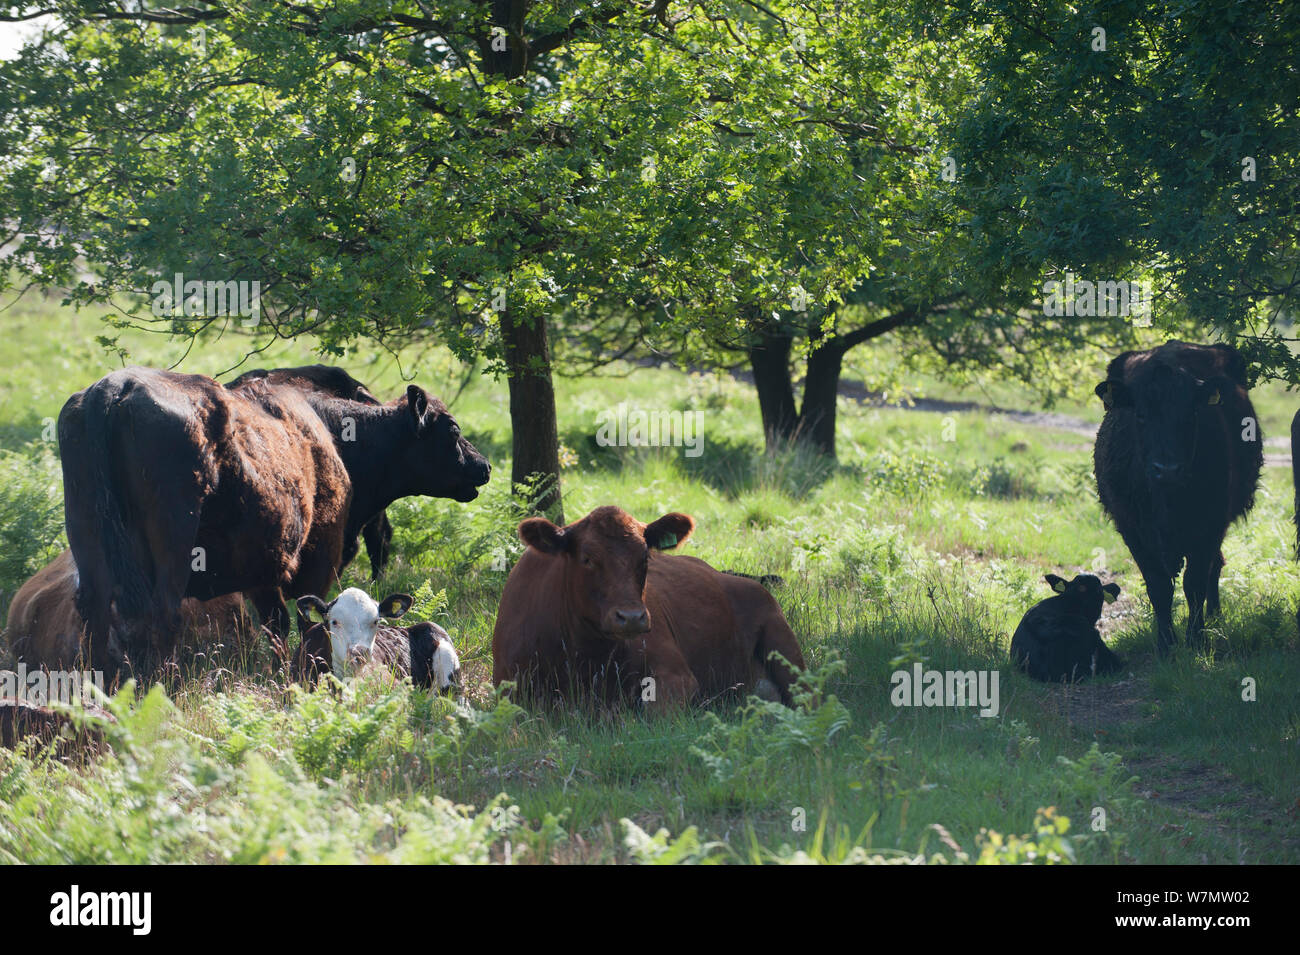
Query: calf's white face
352	619
352	622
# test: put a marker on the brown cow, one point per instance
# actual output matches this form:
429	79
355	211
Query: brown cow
175	486
45	630
22	720
596	609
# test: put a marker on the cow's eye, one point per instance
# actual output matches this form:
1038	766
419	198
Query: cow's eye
586	561
334	623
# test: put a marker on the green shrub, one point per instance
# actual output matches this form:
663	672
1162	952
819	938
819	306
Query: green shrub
31	515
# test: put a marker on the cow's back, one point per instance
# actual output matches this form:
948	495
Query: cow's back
279	487
713	617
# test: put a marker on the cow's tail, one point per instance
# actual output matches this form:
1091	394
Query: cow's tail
103	547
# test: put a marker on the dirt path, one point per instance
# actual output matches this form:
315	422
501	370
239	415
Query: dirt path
1199	796
1280	457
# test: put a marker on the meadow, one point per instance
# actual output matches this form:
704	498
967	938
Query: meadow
925	543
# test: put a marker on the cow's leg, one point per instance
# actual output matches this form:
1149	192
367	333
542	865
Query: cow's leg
170	578
777	637
318	572
378	535
170	531
1212	594
95	605
1201	566
674	684
273	613
1160	591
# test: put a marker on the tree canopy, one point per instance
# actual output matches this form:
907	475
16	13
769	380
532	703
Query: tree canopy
718	179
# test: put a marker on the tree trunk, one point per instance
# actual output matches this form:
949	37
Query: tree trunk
769	358
820	388
534	434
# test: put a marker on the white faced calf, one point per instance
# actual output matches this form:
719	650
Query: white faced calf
350	636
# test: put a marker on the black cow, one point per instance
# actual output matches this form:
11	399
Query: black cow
1177	460
1058	639
175	486
378	532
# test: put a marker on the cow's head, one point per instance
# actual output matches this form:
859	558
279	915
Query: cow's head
440	462
352	619
1085	592
606	555
1166	402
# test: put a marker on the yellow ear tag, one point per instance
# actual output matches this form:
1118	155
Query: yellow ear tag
392	609
1059	586
1110	597
1214	398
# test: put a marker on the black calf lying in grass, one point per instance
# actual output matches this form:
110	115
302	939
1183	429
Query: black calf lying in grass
1058	639
349	638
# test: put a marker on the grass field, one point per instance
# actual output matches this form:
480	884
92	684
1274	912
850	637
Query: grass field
925	544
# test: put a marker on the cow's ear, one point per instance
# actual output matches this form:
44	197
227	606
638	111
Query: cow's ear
669	531
1113	394
394	605
1056	583
1109	592
418	402
539	533
310	602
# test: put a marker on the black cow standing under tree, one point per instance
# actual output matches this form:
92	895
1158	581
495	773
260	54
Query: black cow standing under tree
1177	459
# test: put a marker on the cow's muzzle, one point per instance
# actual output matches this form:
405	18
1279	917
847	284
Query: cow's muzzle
627	622
1166	474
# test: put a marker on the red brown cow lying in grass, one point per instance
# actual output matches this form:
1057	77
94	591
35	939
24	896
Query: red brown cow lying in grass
596	609
21	720
45	629
349	638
